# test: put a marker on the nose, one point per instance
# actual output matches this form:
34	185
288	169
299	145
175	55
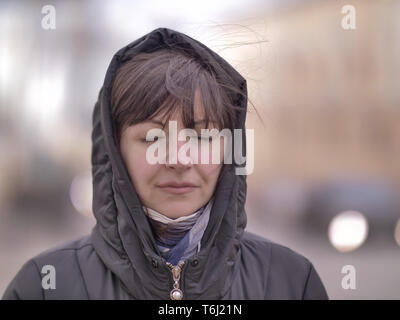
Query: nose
183	160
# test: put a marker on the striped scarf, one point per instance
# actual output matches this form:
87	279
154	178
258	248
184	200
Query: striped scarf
179	238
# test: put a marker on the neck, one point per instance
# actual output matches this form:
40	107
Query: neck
168	232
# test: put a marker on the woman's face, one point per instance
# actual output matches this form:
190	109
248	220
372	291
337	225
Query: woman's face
151	180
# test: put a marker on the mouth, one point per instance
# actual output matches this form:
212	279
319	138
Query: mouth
177	188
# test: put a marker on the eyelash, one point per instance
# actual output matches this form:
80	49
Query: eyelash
205	138
199	138
145	141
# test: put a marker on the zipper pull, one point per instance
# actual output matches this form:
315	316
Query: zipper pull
176	293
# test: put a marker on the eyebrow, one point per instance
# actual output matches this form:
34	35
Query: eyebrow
162	123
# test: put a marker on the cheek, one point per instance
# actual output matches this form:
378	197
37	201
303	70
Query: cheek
140	171
209	172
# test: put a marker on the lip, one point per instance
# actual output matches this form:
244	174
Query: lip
177	187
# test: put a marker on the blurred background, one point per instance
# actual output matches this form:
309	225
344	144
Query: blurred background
326	181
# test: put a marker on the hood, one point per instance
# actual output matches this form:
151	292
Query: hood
122	236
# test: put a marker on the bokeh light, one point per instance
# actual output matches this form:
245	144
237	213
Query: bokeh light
81	193
348	231
397	232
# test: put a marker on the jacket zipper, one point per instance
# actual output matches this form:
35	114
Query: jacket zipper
176	293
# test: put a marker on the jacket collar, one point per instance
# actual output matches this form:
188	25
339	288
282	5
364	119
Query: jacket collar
122	236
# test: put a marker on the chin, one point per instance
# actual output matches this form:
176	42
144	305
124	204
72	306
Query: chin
179	210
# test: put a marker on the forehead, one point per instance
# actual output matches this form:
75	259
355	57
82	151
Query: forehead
160	117
198	110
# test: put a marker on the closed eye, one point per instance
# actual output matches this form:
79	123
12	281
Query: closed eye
209	138
150	141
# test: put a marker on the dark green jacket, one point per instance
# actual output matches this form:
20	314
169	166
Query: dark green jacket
120	259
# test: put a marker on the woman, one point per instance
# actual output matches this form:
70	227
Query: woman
173	229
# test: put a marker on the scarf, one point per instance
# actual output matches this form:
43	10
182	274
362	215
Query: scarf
179	238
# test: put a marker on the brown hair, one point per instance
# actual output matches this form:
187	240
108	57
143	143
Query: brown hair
163	80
